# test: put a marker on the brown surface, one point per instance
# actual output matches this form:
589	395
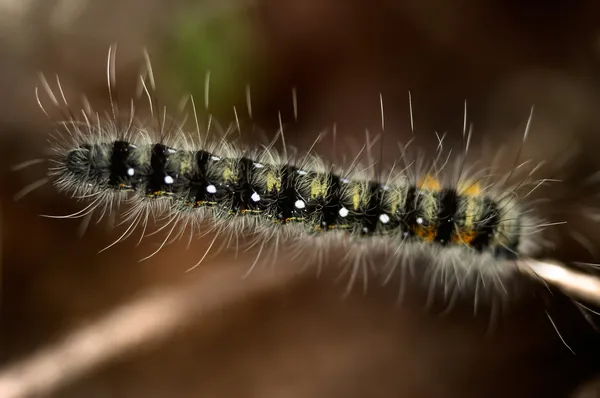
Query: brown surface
303	340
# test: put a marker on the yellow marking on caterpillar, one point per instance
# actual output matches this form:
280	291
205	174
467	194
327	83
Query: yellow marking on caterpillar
185	166
157	194
273	182
319	187
473	207
396	201
430	183
429	206
356	197
251	211
229	175
357	193
200	203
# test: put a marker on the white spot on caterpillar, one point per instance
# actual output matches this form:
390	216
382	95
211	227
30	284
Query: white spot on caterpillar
255	197
171	150
259	165
215	158
211	189
130	172
420	220
384	218
300	204
343	212
169	180
302	172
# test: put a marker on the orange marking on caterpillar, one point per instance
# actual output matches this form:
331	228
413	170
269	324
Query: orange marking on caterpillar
469	188
430	183
464	237
427	234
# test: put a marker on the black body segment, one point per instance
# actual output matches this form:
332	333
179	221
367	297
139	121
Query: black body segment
446	216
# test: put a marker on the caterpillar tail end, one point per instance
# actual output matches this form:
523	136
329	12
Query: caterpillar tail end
573	283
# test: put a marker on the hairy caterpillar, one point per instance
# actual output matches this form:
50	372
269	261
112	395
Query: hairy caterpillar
469	225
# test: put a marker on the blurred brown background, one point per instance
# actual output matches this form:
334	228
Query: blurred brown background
302	339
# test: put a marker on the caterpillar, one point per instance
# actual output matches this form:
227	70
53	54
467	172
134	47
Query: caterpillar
471	226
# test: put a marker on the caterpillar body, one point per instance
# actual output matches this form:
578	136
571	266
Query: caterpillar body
468	225
282	193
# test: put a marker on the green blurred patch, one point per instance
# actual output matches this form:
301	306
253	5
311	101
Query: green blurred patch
224	44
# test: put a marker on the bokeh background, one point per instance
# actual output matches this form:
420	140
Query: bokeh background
302	339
